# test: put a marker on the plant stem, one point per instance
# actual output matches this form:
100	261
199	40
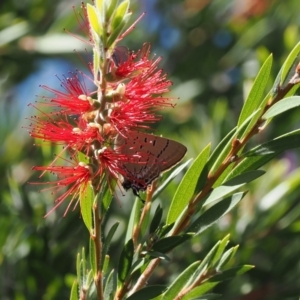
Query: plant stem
96	237
145	211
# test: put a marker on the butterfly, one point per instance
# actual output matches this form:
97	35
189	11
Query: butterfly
150	156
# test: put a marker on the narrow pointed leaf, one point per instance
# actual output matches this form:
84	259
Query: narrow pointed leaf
106	196
119	14
93	19
111	41
110	286
276	146
107	241
204	297
255	96
74	291
250	163
125	261
110	9
220	147
147	293
221	192
92	255
200	290
286	68
227	256
220	250
78	268
186	188
245	177
134	218
165	230
205	264
166	244
166	181
213	214
282	106
156	219
86	201
179	283
224	151
156	254
230	273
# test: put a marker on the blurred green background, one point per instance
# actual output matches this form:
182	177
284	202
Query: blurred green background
212	51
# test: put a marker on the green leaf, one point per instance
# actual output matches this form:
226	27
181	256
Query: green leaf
179	283
250	163
156	219
220	249
204	297
93	19
147	293
254	98
227	256
277	145
200	290
117	31
92	255
156	254
289	62
139	264
110	286
89	279
255	162
220	149
215	280
107	241
166	181
205	265
78	269
232	185
134	218
165	230
106	261
106	195
83	263
119	15
282	106
125	261
166	244
245	177
216	160
186	188
100	6
110	8
230	273
212	215
74	291
86	197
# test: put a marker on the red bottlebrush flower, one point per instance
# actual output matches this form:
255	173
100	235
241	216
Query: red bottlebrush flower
75	99
74	178
78	137
128	64
141	98
111	162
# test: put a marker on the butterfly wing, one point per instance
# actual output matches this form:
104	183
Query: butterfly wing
150	155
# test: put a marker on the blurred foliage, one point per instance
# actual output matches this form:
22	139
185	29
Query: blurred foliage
212	51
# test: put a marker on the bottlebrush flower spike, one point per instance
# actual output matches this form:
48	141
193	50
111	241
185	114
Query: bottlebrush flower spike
72	178
75	99
105	124
135	105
